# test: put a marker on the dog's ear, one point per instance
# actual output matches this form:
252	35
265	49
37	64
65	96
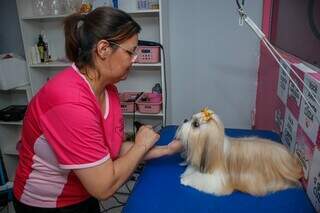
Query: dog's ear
205	150
213	151
205	164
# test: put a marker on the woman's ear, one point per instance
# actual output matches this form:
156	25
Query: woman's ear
103	49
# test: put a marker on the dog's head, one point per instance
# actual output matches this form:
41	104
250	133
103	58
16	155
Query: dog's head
203	138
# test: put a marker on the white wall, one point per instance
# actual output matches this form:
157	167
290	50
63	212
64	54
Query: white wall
10	35
213	61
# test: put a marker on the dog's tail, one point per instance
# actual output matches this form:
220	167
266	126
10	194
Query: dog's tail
289	166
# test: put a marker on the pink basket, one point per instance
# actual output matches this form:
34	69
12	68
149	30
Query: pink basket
148	54
127	100
149	103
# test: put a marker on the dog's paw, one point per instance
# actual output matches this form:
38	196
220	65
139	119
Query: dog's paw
208	183
190	177
186	180
194	182
189	171
184	163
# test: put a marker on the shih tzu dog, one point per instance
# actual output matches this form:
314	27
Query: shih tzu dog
218	164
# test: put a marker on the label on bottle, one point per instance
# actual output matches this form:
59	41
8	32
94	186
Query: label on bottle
41	53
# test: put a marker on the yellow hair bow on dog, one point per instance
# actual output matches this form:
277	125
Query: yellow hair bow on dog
207	114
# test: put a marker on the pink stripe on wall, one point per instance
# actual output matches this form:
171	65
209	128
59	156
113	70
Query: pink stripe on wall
266	17
267	100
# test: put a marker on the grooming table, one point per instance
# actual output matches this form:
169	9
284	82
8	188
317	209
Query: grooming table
158	188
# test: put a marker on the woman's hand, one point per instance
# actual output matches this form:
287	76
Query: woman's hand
159	151
146	137
174	147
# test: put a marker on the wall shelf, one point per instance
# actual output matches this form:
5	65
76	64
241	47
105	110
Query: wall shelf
10	130
147	65
66	64
160	114
18	123
50	64
11	150
43	17
61	17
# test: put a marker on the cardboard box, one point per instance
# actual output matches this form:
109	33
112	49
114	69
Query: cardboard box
313	189
301	129
283	84
310	113
13	71
304	149
279	116
289	132
294	93
283	78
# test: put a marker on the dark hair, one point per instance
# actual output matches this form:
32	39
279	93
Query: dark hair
84	31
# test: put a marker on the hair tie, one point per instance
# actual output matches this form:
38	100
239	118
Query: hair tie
80	23
81	20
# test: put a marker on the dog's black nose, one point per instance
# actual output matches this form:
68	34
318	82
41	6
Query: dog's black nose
185	121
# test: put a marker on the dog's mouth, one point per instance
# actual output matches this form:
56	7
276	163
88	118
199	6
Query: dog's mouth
178	133
182	133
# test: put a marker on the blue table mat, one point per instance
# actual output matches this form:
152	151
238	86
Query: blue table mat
158	188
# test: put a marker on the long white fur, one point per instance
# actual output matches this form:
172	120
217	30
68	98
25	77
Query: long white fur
213	160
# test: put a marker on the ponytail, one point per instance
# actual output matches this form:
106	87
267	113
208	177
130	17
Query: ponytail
72	25
84	31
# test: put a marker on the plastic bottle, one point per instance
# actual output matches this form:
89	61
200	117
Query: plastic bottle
157	88
47	56
153	4
115	3
143	4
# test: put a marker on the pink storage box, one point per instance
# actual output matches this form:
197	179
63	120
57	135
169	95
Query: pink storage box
149	103
148	54
127	101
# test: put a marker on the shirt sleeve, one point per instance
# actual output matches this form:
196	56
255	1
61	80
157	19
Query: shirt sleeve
75	133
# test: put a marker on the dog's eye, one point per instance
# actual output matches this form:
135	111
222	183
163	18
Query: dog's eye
195	124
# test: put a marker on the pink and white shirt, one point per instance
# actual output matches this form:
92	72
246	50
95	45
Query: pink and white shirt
64	129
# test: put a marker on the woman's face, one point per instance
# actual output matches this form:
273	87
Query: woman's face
122	58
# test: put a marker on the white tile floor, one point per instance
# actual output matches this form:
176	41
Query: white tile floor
117	202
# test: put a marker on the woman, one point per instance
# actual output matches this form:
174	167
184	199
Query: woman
72	153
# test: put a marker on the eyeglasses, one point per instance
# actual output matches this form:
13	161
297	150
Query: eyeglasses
131	53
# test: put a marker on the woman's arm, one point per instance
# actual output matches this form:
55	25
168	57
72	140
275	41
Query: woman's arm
157	151
103	180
